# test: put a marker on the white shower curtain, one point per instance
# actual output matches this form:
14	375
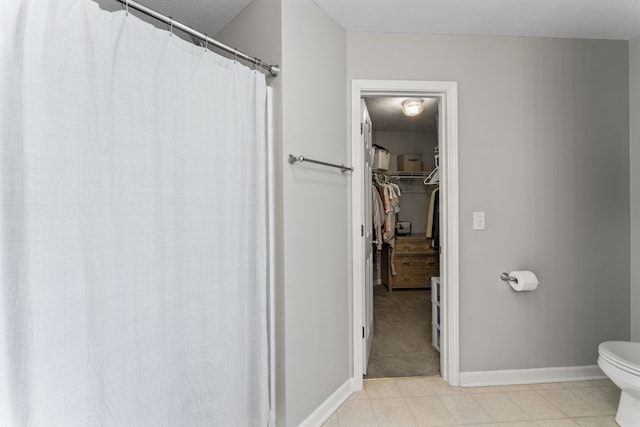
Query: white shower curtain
132	225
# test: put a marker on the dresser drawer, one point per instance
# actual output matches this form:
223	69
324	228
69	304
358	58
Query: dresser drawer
403	262
411	278
413	245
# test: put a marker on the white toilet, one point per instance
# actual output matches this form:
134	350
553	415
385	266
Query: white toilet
620	361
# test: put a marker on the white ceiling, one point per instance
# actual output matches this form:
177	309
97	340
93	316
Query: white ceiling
206	16
386	114
592	19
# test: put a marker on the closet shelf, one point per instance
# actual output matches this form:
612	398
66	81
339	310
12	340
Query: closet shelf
403	174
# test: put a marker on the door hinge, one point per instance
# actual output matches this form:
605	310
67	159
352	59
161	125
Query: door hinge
362	230
363	332
361	129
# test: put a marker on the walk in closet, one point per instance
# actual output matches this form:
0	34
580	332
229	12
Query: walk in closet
405	205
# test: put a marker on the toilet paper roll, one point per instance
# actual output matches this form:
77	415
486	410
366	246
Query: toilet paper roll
525	281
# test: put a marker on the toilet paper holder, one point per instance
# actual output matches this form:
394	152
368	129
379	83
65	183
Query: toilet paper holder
507	278
521	281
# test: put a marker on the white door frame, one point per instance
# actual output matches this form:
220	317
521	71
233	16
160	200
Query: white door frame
449	271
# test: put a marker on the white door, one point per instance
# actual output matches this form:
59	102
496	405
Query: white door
367	221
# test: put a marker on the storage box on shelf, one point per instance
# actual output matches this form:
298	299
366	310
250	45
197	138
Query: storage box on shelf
410	162
381	159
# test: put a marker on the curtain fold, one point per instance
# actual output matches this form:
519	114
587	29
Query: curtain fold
132	225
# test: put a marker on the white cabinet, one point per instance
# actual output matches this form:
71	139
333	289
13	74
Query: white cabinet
435	312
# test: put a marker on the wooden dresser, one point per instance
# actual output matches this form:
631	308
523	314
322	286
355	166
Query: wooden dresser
415	261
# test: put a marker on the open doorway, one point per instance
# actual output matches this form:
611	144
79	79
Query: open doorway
405	335
444	96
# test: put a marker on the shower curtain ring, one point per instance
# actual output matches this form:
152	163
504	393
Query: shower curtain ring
206	42
235	55
126	6
171	26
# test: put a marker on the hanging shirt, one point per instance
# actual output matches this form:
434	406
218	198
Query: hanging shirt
390	216
397	192
378	215
431	213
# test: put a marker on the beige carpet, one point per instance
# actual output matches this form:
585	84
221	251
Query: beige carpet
402	335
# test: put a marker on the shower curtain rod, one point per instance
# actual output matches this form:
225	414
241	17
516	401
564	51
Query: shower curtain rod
274	70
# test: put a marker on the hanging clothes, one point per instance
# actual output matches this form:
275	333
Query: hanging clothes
389	197
397	192
435	230
431	212
378	215
433	219
392	201
394	207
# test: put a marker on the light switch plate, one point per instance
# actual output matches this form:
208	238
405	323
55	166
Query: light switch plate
478	221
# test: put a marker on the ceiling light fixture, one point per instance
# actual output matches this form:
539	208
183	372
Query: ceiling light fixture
412	107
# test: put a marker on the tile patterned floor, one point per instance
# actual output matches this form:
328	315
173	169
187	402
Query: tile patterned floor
429	401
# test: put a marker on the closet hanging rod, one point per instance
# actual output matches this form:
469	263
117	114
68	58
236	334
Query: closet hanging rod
274	70
292	159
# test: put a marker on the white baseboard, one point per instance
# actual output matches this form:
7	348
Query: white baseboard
531	376
329	406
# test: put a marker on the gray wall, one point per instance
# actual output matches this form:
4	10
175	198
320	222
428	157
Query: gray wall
313	336
407	142
544	131
543	150
317	270
634	114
